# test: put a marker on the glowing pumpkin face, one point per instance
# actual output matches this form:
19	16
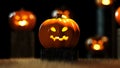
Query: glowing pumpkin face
64	37
59	32
22	20
97	44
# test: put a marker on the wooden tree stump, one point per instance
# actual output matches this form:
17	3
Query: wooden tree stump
22	44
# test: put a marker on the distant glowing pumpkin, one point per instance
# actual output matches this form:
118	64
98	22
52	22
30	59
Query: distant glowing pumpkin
59	32
96	44
22	20
104	2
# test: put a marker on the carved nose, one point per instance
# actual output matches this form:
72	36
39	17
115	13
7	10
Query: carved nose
59	33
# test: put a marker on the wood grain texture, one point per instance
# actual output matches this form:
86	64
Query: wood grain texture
39	63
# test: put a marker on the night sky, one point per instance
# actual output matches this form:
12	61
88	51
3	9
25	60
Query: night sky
82	11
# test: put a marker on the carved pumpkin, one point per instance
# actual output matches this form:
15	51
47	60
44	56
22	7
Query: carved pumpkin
117	15
96	44
22	20
59	32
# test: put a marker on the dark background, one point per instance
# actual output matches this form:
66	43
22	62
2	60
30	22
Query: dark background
83	12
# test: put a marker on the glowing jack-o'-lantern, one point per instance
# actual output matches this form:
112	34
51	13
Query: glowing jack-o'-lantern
22	20
104	2
59	32
96	44
117	15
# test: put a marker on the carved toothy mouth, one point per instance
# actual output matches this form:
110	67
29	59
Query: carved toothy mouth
58	38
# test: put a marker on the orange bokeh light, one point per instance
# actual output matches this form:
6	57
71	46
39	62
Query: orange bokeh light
104	2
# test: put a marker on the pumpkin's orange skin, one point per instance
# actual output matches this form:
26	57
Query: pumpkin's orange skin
30	18
117	15
73	33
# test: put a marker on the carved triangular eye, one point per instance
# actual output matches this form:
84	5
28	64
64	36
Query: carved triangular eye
64	29
53	29
17	17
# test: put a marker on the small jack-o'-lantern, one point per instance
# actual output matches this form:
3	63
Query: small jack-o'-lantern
96	44
22	20
117	15
59	32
